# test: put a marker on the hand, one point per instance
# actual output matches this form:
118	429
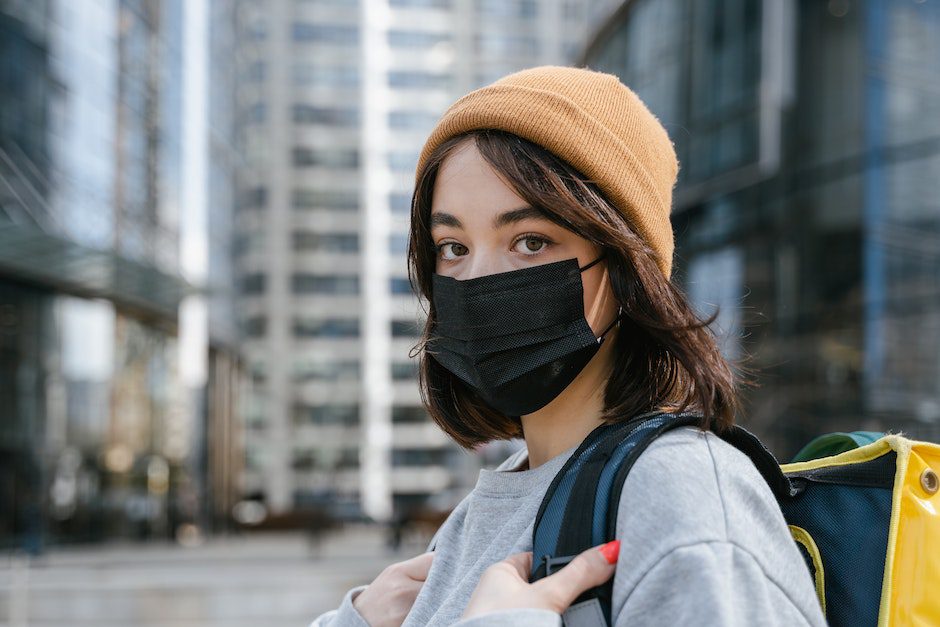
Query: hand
387	600
505	585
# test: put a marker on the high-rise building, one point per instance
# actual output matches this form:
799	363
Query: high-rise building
335	100
806	207
101	430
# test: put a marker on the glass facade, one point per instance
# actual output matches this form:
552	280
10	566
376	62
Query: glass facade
697	65
806	208
103	439
96	442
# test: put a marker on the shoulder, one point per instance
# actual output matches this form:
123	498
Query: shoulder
690	494
703	483
691	487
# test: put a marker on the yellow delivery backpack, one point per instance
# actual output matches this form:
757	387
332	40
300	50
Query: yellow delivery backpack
863	508
868	523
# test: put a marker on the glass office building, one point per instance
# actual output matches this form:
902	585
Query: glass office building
98	439
807	205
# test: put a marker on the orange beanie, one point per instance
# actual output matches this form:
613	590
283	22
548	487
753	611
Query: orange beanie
595	123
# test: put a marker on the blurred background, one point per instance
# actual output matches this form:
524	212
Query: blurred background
208	414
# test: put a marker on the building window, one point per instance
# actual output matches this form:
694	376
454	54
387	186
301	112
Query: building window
326	242
326	327
405	328
715	281
419	80
571	10
251	242
501	45
319	459
254	459
256	113
724	89
404	371
400	286
255	30
327	116
303	461
325	76
255	326
409	415
416	39
325	284
348	458
347	415
253	284
308	370
419	457
311	157
412	120
258	370
507	8
256	72
336	34
399	203
403	161
398	244
325	199
253	198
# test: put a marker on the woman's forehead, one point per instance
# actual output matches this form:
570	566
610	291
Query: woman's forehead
468	190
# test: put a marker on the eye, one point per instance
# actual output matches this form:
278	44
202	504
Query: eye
451	250
530	244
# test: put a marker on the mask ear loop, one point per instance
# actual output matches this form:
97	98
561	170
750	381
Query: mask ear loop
593	263
600	340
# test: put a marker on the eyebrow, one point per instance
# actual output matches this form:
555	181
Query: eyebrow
504	219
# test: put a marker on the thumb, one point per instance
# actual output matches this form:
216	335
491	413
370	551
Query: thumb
522	563
417	567
589	569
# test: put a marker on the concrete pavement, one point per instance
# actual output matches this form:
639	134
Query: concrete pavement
258	580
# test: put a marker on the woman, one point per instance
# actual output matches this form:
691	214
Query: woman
541	239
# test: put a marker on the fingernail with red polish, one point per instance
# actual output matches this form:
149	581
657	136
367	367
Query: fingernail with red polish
610	551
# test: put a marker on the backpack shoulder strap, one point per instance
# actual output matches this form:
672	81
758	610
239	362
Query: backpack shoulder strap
580	506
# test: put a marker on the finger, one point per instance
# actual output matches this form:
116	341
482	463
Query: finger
417	567
589	569
522	563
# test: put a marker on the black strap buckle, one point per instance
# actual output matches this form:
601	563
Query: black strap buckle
554	564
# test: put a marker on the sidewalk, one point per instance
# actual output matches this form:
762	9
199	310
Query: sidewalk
259	580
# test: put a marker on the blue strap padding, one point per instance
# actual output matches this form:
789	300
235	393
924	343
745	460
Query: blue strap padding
604	485
546	534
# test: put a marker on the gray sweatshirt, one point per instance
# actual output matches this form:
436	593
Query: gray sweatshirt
703	542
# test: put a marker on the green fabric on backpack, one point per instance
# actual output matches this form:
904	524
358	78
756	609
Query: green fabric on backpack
834	443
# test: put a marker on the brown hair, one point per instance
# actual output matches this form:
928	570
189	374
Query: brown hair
666	357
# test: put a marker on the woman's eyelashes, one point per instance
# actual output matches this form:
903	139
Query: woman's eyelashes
455	250
528	244
531	244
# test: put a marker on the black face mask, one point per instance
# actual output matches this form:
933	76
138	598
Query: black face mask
517	338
